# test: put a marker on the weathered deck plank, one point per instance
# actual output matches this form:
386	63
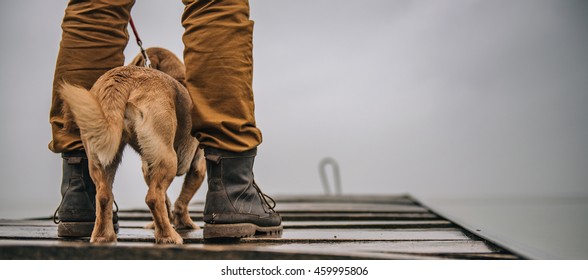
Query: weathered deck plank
347	227
316	216
291	235
343	207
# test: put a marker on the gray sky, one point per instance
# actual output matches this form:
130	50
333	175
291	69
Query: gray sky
448	98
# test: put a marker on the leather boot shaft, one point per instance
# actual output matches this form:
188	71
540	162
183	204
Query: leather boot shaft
76	213
77	190
233	196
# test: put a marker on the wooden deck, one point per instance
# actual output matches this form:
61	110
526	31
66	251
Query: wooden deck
315	227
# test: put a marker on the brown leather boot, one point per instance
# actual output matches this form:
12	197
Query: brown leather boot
77	211
235	206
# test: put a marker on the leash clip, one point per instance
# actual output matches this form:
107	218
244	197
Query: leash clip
147	63
140	43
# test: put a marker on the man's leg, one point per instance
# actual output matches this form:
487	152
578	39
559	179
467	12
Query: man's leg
93	40
219	66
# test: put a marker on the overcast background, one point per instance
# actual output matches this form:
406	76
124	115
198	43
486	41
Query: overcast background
469	98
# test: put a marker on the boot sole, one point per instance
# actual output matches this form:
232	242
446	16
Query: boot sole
213	231
77	229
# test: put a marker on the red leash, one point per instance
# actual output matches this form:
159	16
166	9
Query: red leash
140	43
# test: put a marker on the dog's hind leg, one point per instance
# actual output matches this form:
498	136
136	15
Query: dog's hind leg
192	182
161	173
103	179
145	169
168	203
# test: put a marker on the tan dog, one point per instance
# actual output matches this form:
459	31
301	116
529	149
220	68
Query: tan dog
150	111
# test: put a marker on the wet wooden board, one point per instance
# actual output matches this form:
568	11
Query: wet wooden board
315	227
334	224
337	207
317	216
140	250
289	236
286	224
399	247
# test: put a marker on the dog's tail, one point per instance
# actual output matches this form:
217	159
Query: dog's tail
101	129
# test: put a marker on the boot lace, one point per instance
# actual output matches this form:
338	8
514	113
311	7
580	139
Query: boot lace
265	197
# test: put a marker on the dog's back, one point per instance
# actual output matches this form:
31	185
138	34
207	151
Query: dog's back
137	106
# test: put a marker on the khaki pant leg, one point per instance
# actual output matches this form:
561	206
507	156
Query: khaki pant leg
93	40
219	69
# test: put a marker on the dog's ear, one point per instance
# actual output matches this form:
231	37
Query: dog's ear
138	61
167	62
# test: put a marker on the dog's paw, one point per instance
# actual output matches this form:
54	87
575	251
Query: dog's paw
172	238
103	239
184	222
187	226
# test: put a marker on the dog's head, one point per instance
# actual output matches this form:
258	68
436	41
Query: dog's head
164	61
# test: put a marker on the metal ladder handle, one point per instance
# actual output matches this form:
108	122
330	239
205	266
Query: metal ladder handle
336	174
